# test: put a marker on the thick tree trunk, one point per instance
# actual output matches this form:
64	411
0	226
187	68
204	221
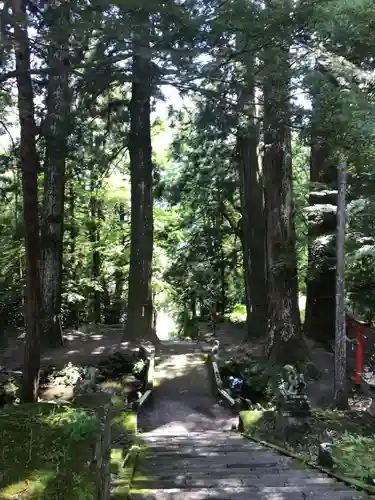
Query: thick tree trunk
139	322
252	204
320	301
253	244
30	167
54	184
285	344
340	395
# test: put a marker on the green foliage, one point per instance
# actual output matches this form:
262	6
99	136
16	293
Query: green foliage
237	314
198	255
75	424
354	455
50	445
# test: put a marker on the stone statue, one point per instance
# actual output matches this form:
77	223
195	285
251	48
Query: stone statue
293	405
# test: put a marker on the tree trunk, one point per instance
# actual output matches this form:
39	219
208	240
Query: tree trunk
285	343
252	207
54	181
73	317
30	167
139	321
253	245
106	305
340	396
94	233
320	300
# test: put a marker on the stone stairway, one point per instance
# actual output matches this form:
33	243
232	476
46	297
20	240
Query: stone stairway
187	450
222	465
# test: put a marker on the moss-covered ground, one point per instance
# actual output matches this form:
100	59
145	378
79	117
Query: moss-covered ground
45	450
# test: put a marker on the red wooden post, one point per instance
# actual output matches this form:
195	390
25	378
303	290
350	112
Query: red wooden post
359	354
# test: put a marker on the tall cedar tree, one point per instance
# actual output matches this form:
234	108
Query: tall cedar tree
30	167
321	273
252	207
139	322
56	132
285	343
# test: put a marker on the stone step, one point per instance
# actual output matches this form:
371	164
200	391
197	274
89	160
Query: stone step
155	468
227	437
220	436
175	469
244	445
244	493
201	450
237	478
231	456
203	442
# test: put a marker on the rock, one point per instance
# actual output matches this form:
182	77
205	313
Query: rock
88	384
325	456
130	383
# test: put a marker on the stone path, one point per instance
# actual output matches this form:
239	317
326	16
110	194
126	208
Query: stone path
191	453
182	398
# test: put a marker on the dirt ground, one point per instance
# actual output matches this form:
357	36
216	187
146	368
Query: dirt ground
92	342
88	344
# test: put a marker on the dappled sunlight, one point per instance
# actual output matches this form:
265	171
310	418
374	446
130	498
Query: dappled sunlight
35	485
78	346
176	366
182	398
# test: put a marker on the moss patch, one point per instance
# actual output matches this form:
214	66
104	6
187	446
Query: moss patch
45	451
352	434
123	430
251	418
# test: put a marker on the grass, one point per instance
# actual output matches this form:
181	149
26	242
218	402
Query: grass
351	433
45	451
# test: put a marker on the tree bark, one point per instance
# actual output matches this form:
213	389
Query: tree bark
96	263
139	321
253	237
252	206
56	133
30	167
320	281
285	342
340	395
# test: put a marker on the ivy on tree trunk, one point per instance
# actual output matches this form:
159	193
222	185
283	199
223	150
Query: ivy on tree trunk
321	271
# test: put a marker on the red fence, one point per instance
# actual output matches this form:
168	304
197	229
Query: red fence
358	327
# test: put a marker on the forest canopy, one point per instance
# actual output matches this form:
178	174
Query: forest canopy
183	156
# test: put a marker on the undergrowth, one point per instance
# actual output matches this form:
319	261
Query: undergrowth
351	434
45	452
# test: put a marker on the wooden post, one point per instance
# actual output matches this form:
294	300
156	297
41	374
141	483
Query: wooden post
340	395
